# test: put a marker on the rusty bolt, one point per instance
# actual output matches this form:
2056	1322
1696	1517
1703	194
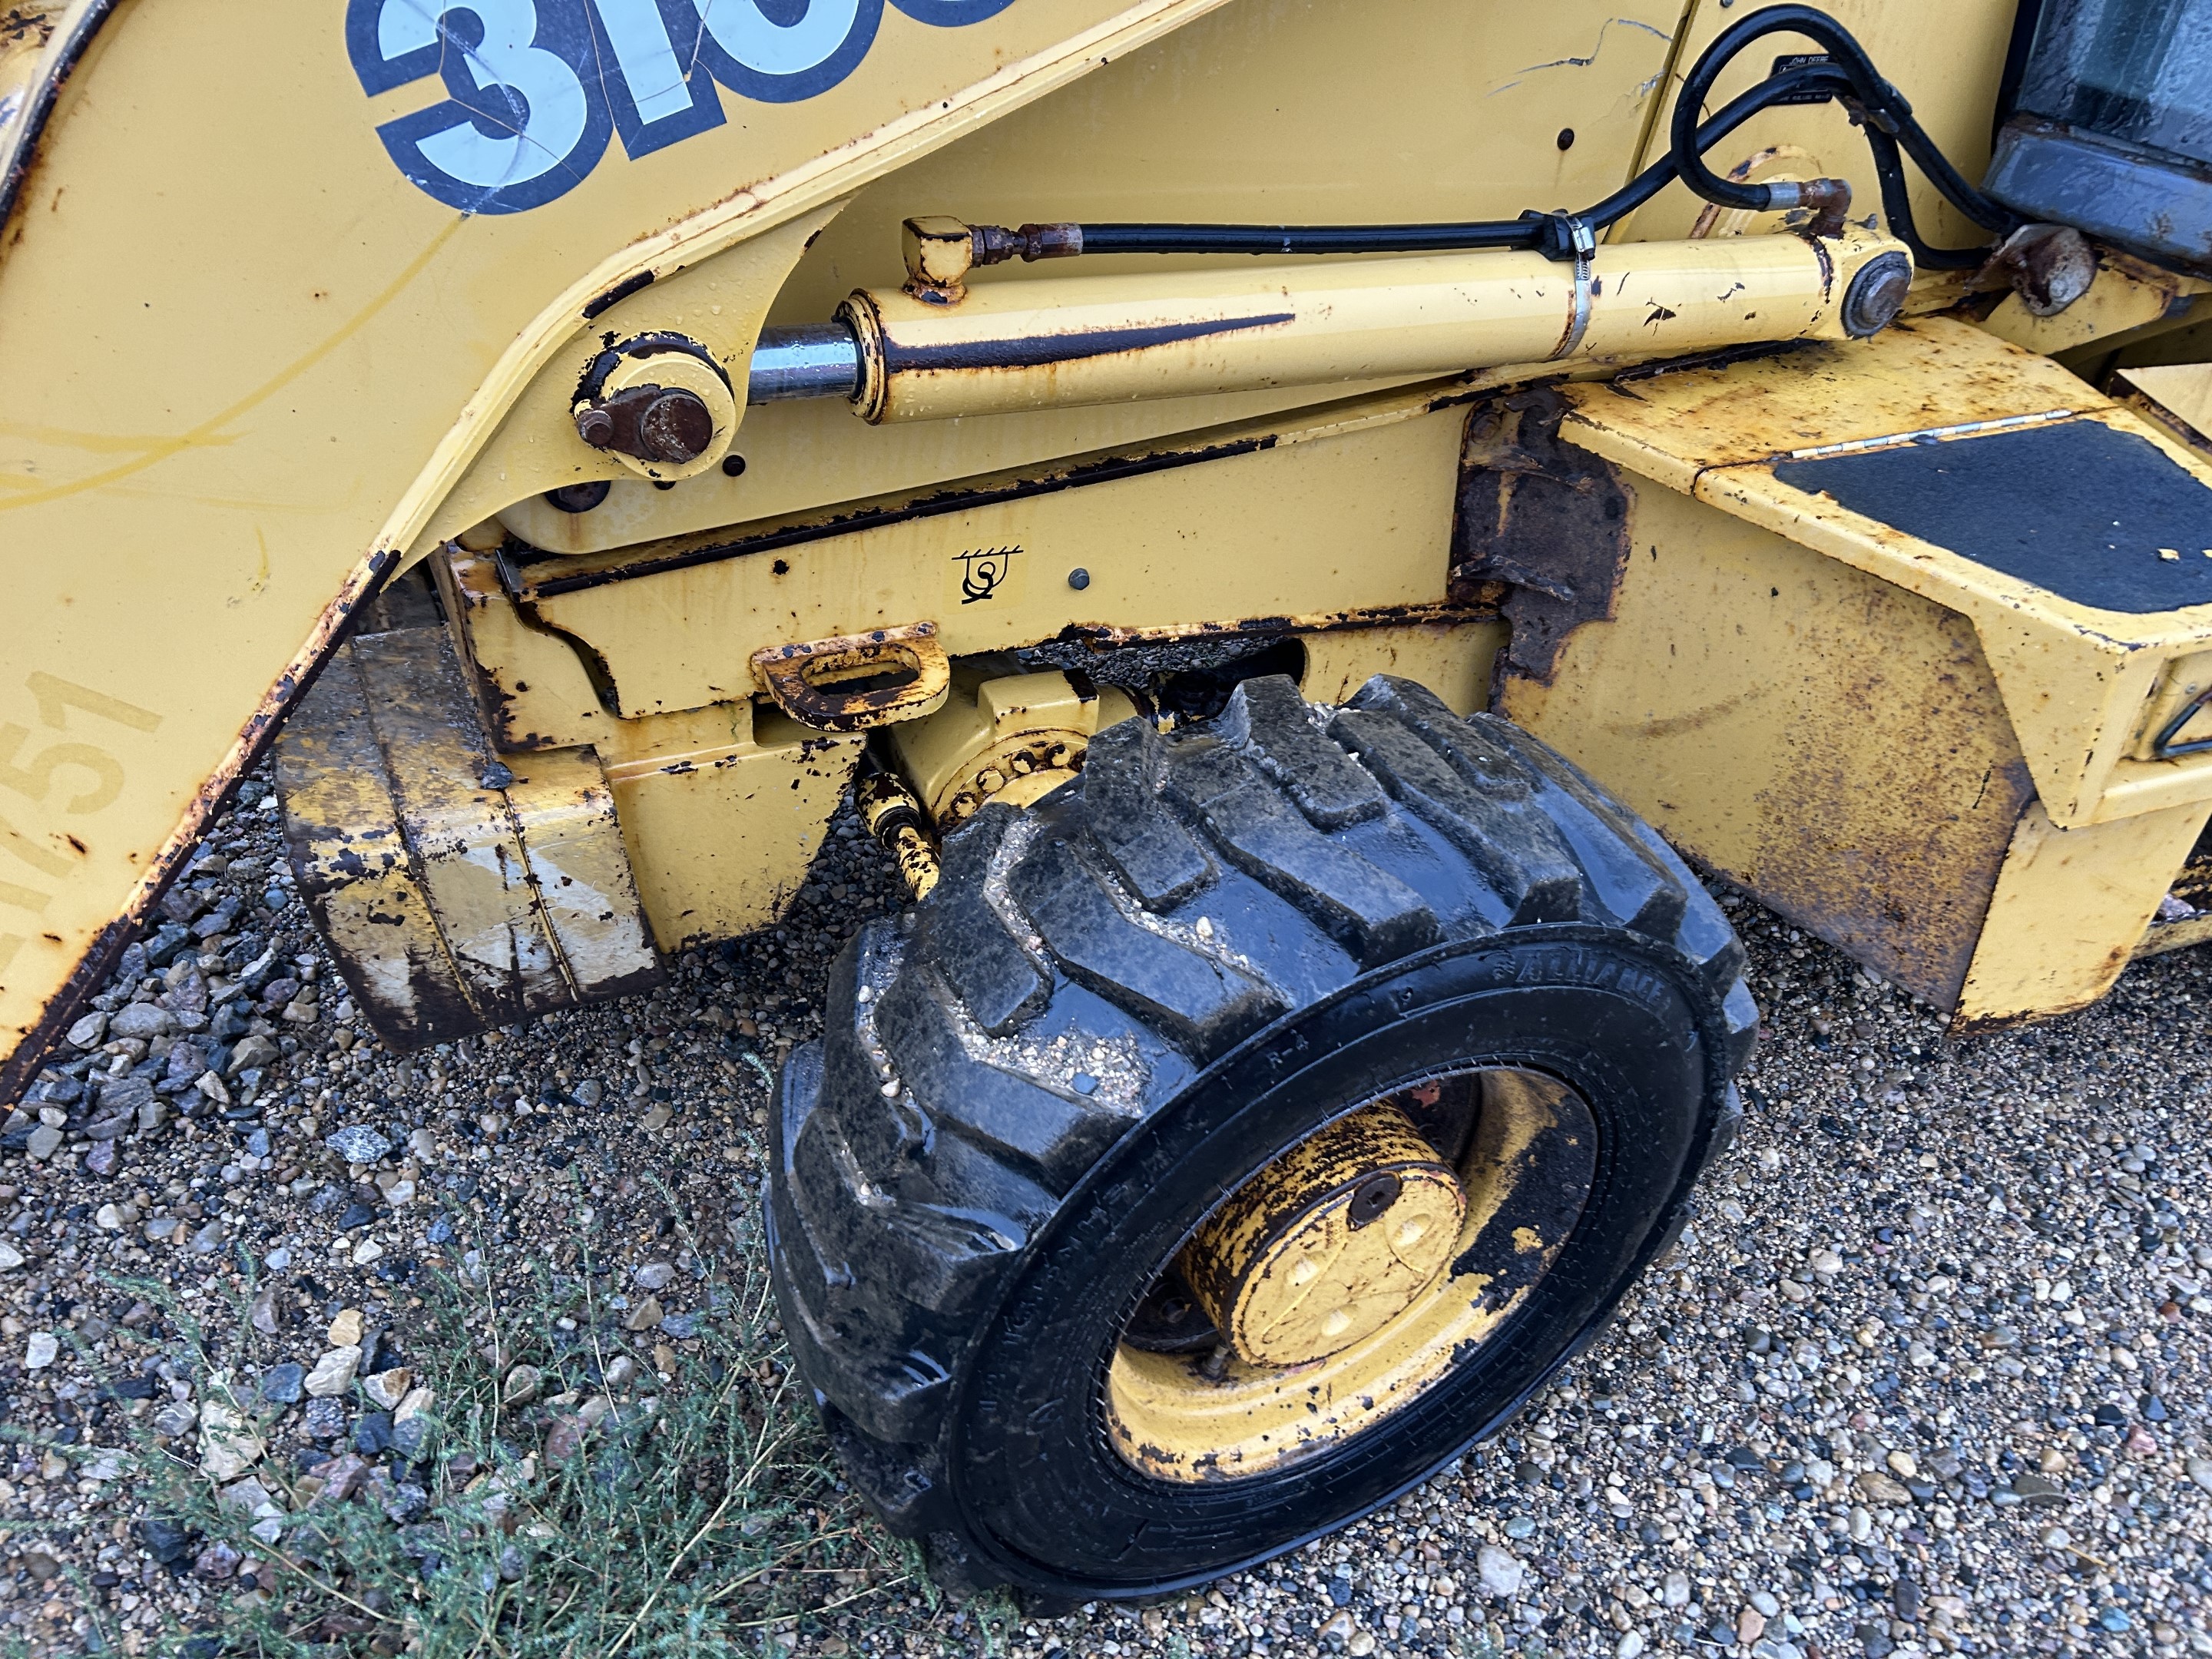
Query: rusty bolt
595	426
2050	266
1372	1197
649	423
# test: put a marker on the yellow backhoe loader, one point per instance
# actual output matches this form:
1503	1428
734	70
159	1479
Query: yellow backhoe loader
1292	520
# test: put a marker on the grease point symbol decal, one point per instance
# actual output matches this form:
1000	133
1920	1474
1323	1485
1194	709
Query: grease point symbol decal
984	571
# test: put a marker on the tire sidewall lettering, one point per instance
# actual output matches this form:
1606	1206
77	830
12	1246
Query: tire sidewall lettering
534	88
1547	963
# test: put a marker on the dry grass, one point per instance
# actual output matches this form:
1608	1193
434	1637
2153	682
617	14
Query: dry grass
696	1515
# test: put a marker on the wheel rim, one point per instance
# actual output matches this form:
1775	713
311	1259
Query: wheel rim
1211	1412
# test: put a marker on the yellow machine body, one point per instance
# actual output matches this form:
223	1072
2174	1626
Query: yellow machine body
283	320
1939	765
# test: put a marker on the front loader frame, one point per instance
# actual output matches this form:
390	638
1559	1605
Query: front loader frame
405	394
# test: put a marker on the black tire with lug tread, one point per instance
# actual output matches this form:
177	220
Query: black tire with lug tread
1118	1007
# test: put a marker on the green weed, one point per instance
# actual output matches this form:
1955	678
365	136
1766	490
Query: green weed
694	1514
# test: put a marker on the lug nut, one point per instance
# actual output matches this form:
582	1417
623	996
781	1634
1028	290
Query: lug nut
1372	1197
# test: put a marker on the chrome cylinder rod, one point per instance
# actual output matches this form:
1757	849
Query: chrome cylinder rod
820	361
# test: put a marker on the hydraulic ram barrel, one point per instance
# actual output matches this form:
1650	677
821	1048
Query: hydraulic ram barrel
1052	343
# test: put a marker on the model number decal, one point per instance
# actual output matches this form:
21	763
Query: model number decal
534	88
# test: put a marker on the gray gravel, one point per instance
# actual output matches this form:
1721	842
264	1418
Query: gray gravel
1927	1374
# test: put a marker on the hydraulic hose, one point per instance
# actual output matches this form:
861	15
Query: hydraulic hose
1850	75
1876	105
1530	230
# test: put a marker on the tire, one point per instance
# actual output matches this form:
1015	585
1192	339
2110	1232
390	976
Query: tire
1119	1006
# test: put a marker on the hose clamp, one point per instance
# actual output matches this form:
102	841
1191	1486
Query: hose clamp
1578	238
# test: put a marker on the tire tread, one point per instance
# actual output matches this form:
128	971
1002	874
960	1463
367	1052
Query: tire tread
912	1167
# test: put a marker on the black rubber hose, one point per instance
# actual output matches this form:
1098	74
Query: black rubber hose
1305	238
1425	238
1885	111
1897	208
1850	75
1807	78
1989	214
1858	69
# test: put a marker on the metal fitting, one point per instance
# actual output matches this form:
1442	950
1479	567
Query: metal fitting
1829	199
892	815
941	250
995	244
650	424
1876	294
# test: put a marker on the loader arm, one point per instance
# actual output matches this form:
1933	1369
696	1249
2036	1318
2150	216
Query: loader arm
295	299
253	358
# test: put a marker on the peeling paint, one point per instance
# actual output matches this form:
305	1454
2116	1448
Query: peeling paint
451	905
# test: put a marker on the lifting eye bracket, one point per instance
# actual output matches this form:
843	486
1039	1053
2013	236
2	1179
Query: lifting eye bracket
857	682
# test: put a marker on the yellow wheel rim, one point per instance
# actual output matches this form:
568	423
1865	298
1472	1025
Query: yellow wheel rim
1212	1417
1329	1242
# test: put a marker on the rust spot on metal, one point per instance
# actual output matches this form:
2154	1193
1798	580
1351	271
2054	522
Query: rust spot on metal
1625	381
1547	518
1105	636
855	682
1812	239
649	423
2048	266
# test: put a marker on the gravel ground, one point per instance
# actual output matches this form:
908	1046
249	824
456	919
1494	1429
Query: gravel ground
1927	1374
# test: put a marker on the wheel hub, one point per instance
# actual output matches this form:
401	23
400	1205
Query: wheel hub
1330	1242
1184	1405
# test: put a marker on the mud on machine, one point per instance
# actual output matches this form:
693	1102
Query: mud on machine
1290	650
